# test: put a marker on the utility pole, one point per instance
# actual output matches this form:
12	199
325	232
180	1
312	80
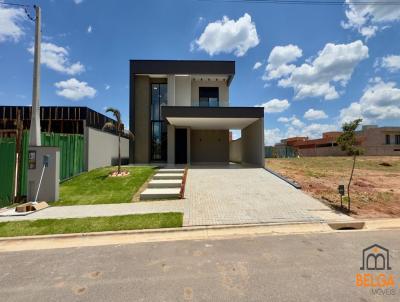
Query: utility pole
34	132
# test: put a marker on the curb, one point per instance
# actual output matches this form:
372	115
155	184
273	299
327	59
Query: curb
41	242
156	231
290	182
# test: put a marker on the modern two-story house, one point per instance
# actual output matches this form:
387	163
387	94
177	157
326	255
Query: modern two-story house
180	114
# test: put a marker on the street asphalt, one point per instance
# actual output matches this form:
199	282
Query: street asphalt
307	267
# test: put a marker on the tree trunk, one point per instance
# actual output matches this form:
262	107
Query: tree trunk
351	177
119	152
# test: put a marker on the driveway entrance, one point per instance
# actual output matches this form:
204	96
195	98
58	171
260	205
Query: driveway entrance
238	195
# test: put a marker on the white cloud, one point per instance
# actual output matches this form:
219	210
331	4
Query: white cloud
89	29
228	36
236	134
380	101
107	87
74	90
257	65
312	114
272	136
334	65
78	1
351	113
284	119
291	121
57	58
368	19
275	105
278	60
10	23
391	63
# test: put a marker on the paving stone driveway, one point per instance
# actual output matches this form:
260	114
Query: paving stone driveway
239	195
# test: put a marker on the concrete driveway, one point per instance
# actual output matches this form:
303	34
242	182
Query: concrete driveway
238	195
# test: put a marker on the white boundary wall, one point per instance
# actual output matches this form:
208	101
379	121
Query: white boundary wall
101	149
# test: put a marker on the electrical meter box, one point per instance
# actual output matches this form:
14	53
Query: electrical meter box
43	173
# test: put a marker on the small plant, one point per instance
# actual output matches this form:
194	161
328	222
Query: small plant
348	142
118	127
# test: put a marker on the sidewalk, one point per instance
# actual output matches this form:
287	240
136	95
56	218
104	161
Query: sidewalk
102	210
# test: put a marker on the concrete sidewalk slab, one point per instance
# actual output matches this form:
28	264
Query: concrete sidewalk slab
100	210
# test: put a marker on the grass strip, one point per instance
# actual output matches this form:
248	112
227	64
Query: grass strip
90	224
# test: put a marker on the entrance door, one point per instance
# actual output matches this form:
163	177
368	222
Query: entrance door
180	146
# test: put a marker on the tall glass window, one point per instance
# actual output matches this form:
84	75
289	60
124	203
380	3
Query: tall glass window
158	126
208	97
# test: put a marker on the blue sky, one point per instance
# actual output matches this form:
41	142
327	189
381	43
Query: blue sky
318	66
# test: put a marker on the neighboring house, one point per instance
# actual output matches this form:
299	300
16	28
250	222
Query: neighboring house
57	119
374	140
180	114
71	120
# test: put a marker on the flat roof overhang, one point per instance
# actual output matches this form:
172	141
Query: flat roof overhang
192	67
218	118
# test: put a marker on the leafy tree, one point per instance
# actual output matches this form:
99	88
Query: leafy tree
118	127
348	142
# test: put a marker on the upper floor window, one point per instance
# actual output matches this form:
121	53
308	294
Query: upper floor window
208	97
397	139
387	139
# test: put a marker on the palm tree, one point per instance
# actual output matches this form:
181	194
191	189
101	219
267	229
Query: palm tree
118	127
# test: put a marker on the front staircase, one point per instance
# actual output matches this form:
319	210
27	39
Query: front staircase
166	184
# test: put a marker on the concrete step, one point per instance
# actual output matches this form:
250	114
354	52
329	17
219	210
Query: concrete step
168	176
160	193
170	171
165	183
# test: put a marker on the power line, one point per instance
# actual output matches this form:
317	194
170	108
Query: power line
312	2
24	6
14	4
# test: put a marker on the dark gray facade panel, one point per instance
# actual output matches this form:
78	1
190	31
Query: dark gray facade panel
212	112
141	105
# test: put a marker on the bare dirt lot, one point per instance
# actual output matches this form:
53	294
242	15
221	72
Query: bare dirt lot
375	189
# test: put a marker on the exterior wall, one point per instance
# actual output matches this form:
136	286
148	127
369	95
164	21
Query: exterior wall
182	91
141	152
235	151
373	144
171	89
223	92
101	149
209	146
321	151
374	141
253	143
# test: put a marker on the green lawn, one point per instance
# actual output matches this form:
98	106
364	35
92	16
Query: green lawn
90	224
95	187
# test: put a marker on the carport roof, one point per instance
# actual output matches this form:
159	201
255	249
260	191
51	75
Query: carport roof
212	117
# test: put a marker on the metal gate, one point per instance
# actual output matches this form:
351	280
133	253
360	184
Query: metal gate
7	170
